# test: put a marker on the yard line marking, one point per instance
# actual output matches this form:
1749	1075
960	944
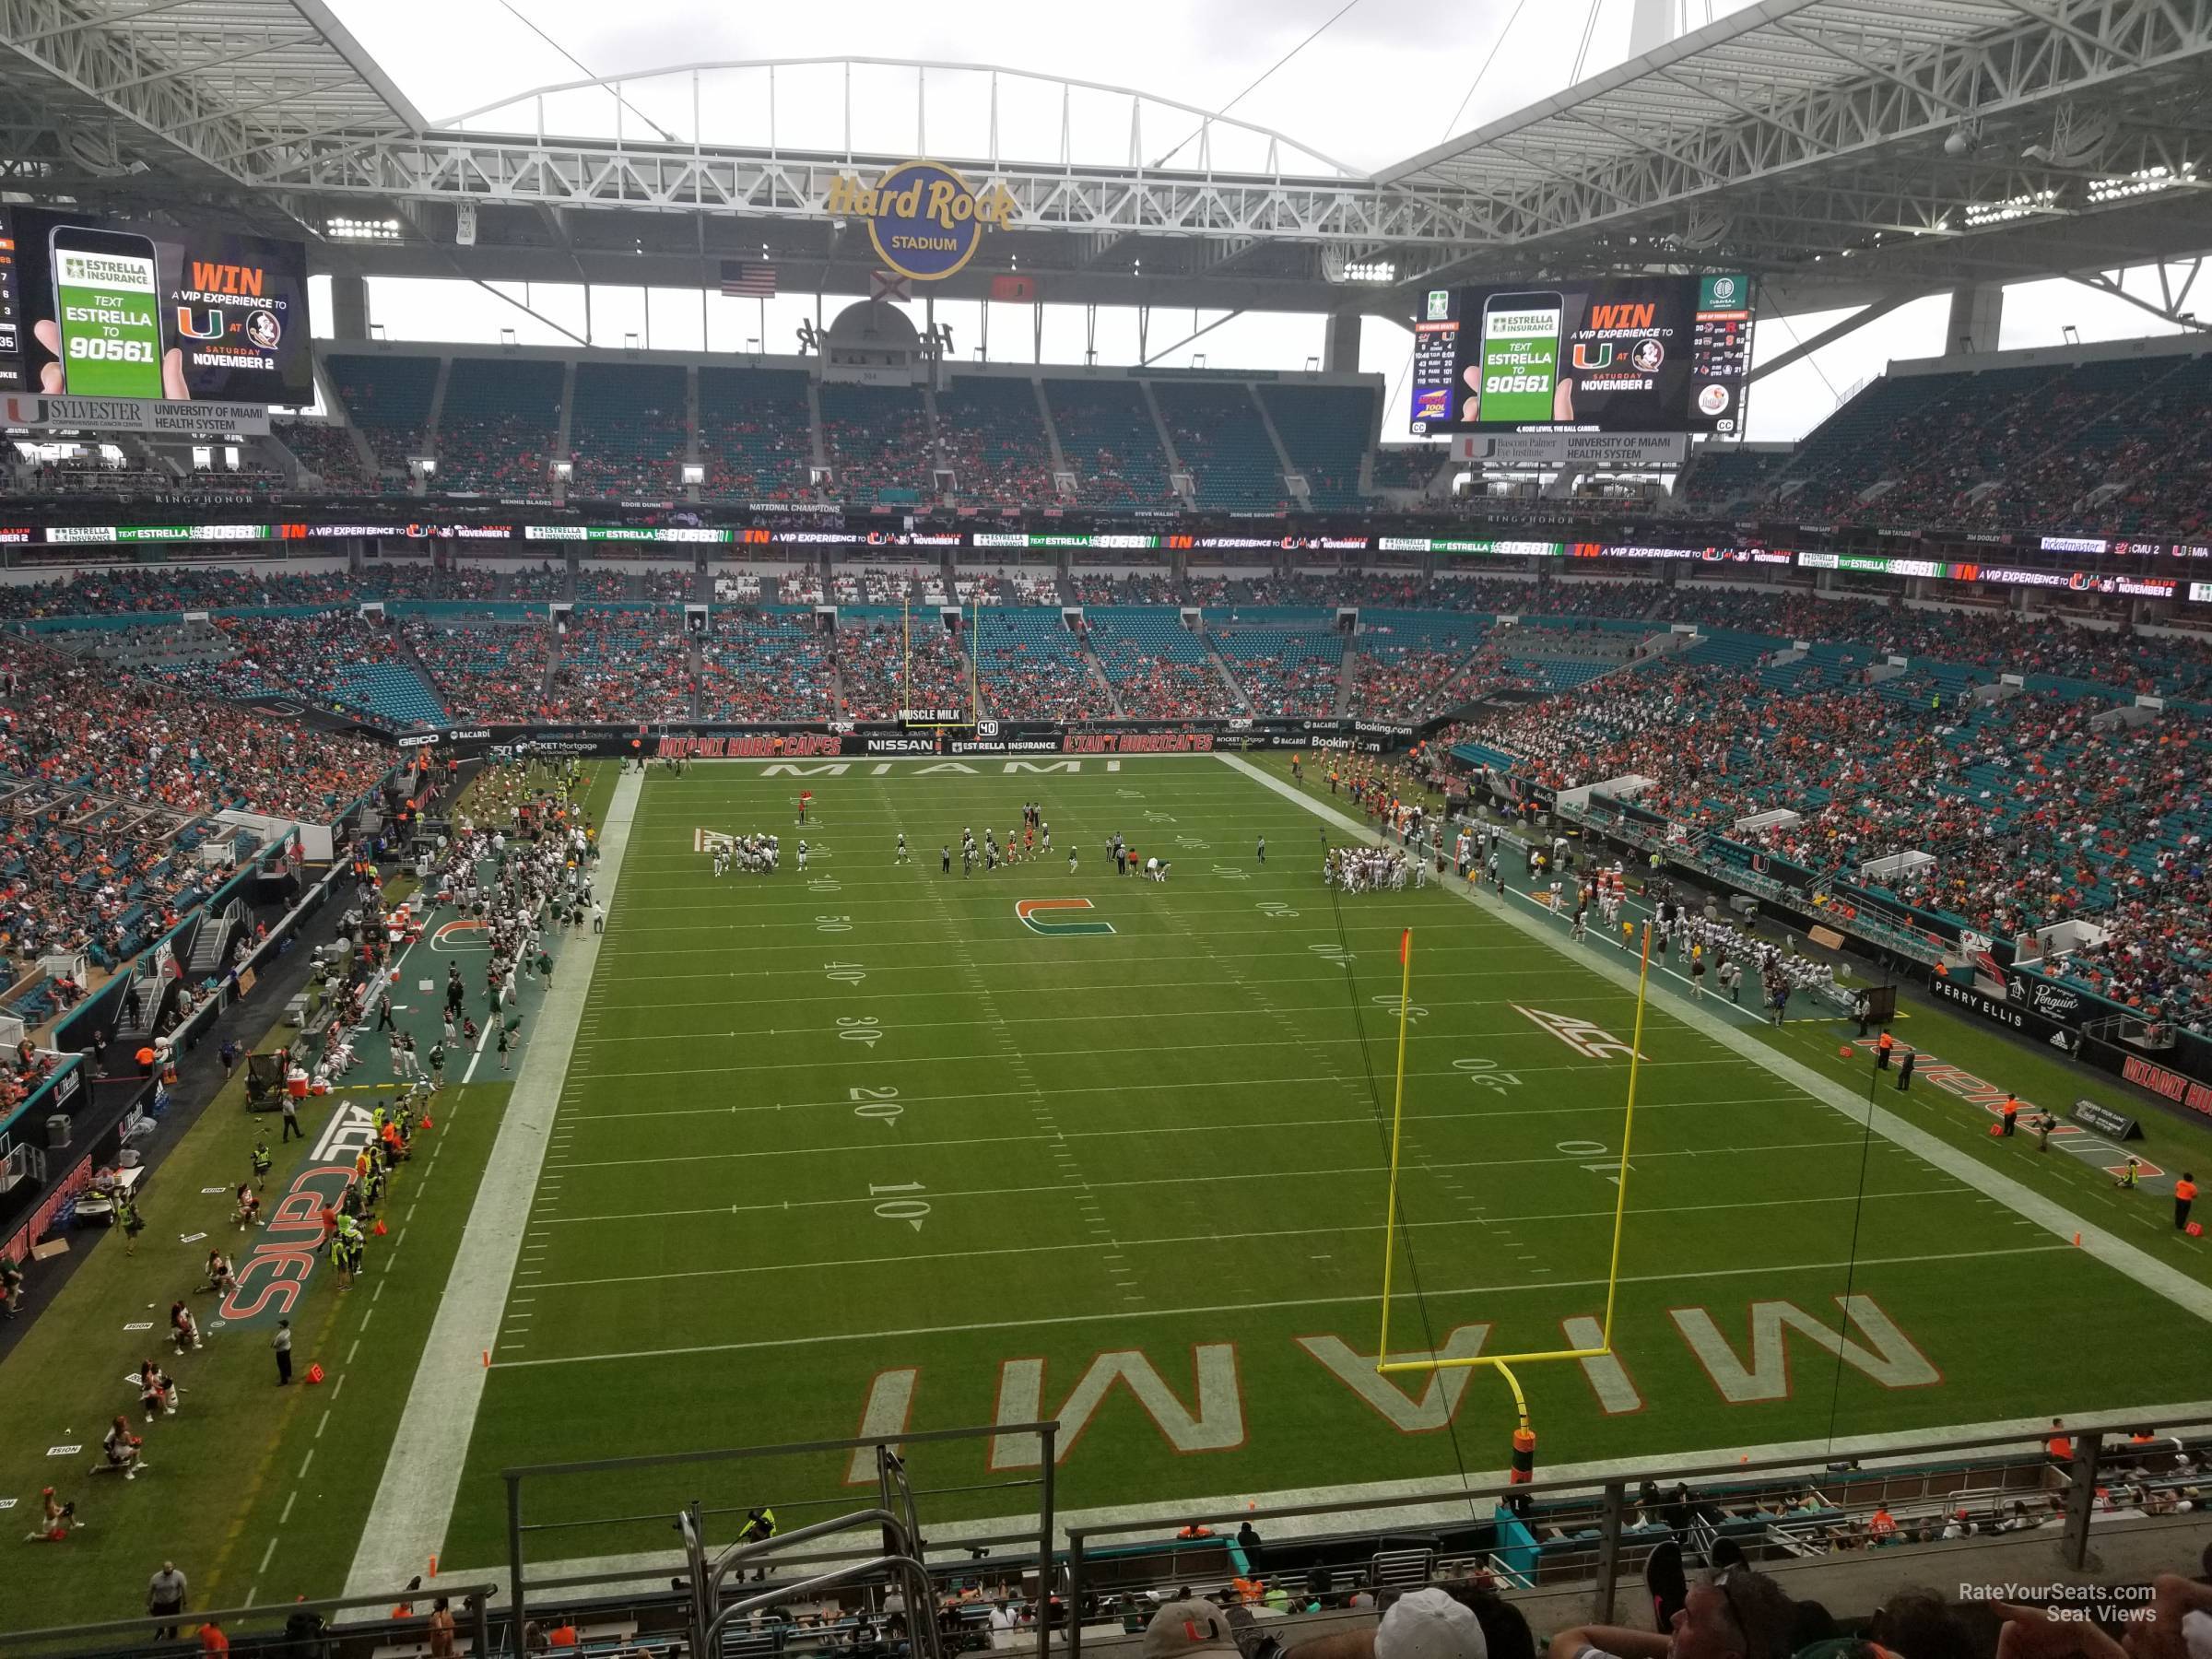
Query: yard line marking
1360	1298
1491	951
1215	1237
1052	1137
1168	1048
1327	977
422	1472
1123	1088
999	1024
1333	1170
265	1553
2189	1294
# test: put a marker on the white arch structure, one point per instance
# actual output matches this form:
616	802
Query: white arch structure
1276	148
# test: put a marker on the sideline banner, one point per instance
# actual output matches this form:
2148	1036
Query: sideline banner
851	740
1999	1011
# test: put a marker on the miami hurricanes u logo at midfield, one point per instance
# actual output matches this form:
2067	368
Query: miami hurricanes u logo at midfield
1050	916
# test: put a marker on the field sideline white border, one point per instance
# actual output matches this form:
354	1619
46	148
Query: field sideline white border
422	1472
411	1510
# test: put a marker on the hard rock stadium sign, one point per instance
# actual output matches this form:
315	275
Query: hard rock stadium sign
924	219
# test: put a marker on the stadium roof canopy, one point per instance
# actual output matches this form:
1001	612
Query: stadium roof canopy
1844	150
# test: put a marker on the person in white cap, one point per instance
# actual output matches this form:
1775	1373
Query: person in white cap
1431	1624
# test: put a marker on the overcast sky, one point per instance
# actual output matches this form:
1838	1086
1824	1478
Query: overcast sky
1381	82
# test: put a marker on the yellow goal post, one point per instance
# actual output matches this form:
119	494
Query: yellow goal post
1391	1220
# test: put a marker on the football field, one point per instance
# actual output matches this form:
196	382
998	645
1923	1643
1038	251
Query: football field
878	1147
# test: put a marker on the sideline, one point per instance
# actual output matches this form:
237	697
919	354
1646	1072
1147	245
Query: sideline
422	1472
2178	1288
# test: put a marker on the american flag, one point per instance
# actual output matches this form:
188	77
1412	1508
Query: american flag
748	281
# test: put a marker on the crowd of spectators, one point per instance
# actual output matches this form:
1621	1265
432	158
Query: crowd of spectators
1109	442
322	659
1158	671
66	723
497	427
871	586
1411	676
627	431
1033	668
328	450
877	443
755	434
608	583
765	665
168	589
2029	811
1008	586
991	436
626	663
484	670
1284	670
1135	587
883	667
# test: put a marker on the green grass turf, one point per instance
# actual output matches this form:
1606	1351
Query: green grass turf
257	1493
1166	1137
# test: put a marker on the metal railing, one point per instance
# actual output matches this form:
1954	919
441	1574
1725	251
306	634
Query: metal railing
1605	1506
899	1560
1777	1508
473	1624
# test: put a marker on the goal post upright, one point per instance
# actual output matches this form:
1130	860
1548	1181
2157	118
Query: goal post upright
1398	1125
1504	1363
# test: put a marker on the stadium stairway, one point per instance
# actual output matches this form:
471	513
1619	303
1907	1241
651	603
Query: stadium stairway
1098	672
1347	679
1221	671
412	660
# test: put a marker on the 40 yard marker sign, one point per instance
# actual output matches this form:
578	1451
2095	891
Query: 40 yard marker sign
1057	917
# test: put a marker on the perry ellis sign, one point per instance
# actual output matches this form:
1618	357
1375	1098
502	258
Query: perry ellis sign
926	219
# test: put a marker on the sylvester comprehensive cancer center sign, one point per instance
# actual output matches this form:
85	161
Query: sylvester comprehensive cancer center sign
924	219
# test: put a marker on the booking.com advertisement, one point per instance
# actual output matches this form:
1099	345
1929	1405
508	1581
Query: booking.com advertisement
100	308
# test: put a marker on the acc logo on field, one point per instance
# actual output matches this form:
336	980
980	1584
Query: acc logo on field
1052	916
926	219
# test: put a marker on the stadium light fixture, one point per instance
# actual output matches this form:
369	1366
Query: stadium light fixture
1981	215
2144	181
356	229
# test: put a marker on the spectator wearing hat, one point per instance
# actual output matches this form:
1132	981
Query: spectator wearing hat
1189	1628
1431	1624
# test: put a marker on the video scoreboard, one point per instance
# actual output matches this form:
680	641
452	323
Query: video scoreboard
1629	354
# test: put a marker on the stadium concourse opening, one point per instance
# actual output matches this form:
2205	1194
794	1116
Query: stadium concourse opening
701	959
